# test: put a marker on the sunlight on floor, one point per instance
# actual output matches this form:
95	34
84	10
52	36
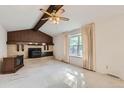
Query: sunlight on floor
71	78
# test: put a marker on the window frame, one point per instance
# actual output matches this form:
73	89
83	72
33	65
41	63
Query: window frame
78	45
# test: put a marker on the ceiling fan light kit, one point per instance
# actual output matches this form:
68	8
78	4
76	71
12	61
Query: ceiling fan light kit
54	20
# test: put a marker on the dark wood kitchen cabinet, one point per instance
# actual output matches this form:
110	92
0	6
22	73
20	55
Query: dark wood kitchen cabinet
12	64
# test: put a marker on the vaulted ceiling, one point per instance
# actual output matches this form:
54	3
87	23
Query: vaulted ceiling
26	17
20	17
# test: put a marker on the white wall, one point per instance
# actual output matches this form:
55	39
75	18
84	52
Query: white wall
59	48
3	46
110	45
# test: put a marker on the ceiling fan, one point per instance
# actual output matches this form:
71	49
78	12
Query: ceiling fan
54	16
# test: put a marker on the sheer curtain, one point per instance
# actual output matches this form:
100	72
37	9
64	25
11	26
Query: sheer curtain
66	48
88	46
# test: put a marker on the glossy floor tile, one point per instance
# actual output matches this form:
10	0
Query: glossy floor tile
55	74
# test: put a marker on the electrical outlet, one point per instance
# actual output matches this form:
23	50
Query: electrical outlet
106	67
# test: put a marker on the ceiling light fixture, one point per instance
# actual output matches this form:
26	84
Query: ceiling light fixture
54	20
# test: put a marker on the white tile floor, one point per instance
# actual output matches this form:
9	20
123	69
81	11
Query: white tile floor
55	74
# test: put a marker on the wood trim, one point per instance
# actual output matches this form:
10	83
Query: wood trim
44	47
28	36
50	10
22	47
17	47
47	47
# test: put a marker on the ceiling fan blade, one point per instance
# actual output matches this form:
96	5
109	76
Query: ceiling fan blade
64	18
45	18
60	12
45	12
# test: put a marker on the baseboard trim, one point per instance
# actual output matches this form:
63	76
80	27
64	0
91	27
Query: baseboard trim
114	76
62	61
89	69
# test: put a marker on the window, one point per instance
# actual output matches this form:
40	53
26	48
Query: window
75	46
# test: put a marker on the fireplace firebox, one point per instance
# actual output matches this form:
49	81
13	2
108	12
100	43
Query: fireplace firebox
34	52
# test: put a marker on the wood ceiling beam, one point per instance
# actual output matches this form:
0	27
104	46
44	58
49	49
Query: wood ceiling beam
40	23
